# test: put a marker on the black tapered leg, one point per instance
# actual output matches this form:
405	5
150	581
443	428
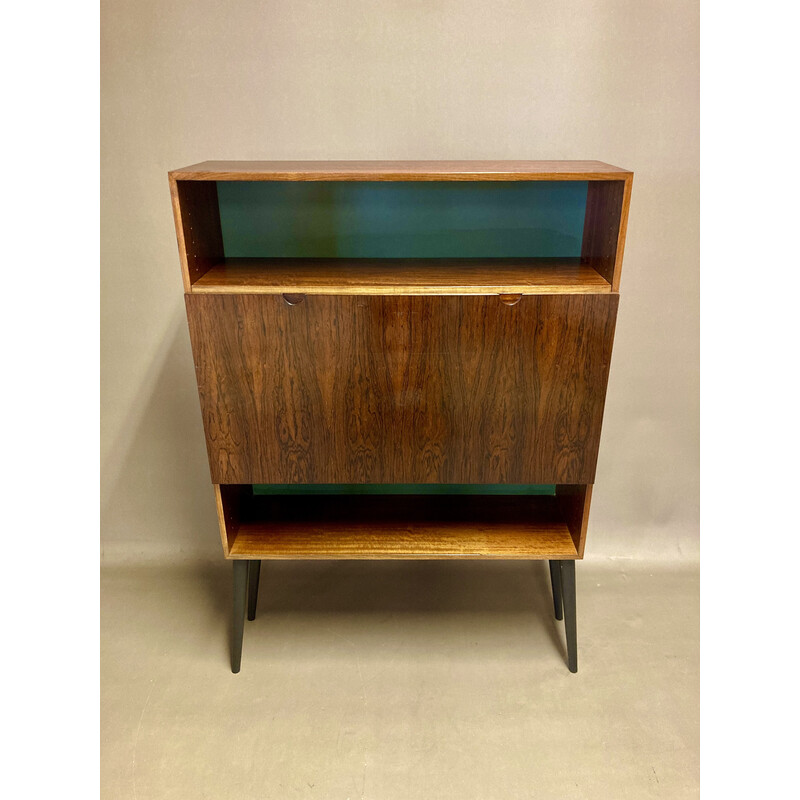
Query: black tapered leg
239	602
555	582
254	572
570	612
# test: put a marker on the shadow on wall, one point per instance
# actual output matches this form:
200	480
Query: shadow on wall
157	500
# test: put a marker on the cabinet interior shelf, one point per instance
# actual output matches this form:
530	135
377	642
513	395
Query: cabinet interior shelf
401	276
398	527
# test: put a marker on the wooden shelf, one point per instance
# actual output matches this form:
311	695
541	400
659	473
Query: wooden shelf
401	276
400	527
411	542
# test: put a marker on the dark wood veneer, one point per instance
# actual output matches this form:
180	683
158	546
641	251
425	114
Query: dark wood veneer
197	222
604	228
402	389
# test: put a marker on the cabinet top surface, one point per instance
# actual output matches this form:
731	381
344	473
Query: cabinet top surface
399	171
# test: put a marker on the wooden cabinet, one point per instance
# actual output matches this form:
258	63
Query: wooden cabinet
402	359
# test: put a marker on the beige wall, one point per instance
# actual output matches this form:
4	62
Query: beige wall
615	80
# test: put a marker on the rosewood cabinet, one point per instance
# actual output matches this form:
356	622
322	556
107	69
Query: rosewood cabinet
402	359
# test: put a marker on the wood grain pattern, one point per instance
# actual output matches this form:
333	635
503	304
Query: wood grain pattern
398	171
231	502
605	227
401	276
622	232
403	527
398	389
195	206
601	226
574	502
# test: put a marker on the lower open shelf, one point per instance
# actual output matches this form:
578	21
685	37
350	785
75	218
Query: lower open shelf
394	527
401	276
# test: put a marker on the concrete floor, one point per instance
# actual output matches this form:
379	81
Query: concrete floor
400	680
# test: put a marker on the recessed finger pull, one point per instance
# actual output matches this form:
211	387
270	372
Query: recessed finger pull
510	299
294	299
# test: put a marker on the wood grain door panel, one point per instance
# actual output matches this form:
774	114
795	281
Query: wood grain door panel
402	389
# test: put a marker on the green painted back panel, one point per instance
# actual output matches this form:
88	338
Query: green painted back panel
439	219
404	488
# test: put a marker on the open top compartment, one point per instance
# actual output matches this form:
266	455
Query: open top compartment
362	232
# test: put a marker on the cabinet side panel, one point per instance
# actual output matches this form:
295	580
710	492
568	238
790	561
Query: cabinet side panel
601	227
402	389
230	509
197	223
623	232
574	502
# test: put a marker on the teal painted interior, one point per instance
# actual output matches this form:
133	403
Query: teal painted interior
404	488
439	219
